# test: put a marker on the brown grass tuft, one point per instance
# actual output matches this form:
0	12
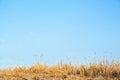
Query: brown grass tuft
102	70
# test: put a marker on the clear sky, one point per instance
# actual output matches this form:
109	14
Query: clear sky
53	30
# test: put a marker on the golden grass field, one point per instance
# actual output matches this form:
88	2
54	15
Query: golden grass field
101	70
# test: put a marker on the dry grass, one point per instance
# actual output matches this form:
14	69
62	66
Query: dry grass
101	70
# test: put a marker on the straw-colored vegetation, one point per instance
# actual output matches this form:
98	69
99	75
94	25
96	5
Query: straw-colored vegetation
93	71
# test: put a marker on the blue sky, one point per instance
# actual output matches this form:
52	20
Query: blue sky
52	30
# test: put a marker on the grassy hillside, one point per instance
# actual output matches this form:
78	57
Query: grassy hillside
92	71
